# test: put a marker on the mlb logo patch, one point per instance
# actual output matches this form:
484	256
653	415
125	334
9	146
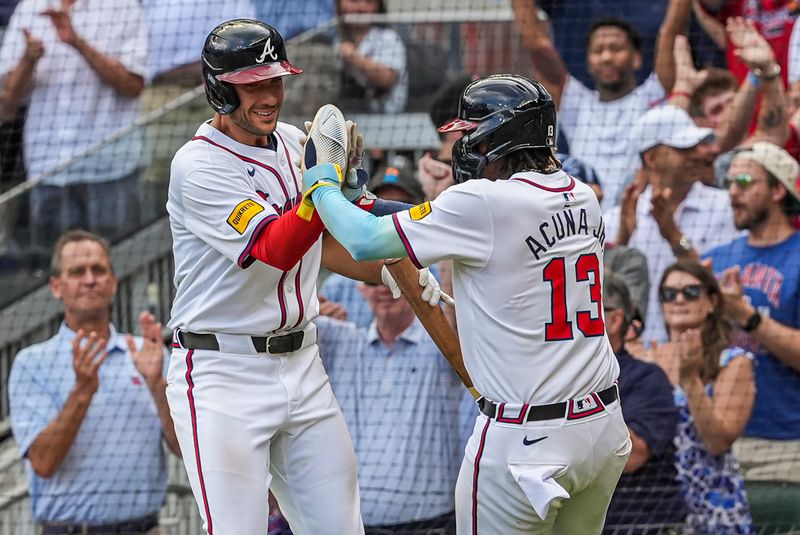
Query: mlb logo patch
136	380
584	406
569	196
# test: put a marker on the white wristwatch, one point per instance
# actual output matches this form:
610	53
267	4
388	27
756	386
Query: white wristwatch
684	246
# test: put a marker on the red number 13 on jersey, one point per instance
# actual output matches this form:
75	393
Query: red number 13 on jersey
555	272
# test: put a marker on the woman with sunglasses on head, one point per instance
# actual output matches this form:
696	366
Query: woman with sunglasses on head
714	393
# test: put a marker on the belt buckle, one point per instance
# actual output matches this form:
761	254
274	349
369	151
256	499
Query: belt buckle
285	343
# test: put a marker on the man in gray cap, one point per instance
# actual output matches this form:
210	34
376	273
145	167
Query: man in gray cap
761	284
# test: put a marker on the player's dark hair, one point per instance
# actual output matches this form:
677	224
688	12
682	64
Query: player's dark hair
716	331
539	160
72	236
445	102
630	32
616	295
717	82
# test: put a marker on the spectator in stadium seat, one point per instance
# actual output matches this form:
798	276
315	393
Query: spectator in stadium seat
714	101
82	67
570	19
647	492
630	265
375	77
89	408
596	122
714	391
761	288
400	399
173	69
675	216
774	19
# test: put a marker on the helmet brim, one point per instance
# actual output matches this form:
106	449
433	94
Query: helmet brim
251	75
457	125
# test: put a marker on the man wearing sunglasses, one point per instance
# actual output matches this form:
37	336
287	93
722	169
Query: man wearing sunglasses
675	216
761	284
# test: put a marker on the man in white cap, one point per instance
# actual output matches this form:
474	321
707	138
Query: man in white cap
761	284
671	215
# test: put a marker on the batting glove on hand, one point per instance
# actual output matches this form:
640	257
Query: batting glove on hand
431	292
355	181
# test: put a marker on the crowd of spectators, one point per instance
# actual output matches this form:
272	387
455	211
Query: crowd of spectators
682	115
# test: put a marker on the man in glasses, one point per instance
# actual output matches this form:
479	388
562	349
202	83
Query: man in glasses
675	216
761	284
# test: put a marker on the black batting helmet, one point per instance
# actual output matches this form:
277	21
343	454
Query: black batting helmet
509	112
241	51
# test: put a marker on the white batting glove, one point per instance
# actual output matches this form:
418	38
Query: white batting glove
431	292
390	283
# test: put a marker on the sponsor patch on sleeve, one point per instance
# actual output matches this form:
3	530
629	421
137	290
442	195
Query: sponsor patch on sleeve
420	211
244	212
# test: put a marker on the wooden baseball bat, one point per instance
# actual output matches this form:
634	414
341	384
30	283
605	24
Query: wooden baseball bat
407	277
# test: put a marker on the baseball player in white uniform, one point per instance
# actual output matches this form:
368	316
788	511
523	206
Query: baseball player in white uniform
251	402
527	248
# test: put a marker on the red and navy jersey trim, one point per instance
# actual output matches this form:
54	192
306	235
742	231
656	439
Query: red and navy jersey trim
405	241
193	413
475	472
568	187
289	162
299	294
282	300
245	260
248	160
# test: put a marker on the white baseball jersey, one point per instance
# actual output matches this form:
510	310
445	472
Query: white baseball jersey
221	195
527	275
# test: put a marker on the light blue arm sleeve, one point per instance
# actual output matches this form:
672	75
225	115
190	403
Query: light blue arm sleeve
365	236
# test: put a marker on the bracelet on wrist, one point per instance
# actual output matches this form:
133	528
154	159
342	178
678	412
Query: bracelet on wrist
685	94
754	80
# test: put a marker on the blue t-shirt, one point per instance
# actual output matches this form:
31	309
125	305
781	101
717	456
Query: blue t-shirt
771	279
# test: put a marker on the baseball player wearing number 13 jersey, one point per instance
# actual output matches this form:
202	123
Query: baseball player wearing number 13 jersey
527	249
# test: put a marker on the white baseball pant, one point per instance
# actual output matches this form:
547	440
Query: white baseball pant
515	482
248	422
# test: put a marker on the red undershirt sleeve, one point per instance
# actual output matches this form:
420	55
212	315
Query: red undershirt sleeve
282	243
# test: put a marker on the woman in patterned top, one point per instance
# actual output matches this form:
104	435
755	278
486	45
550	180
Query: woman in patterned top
714	392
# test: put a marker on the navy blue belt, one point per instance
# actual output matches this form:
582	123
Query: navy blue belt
556	410
137	526
281	343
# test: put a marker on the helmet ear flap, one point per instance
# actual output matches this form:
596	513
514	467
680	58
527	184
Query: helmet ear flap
466	163
220	95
